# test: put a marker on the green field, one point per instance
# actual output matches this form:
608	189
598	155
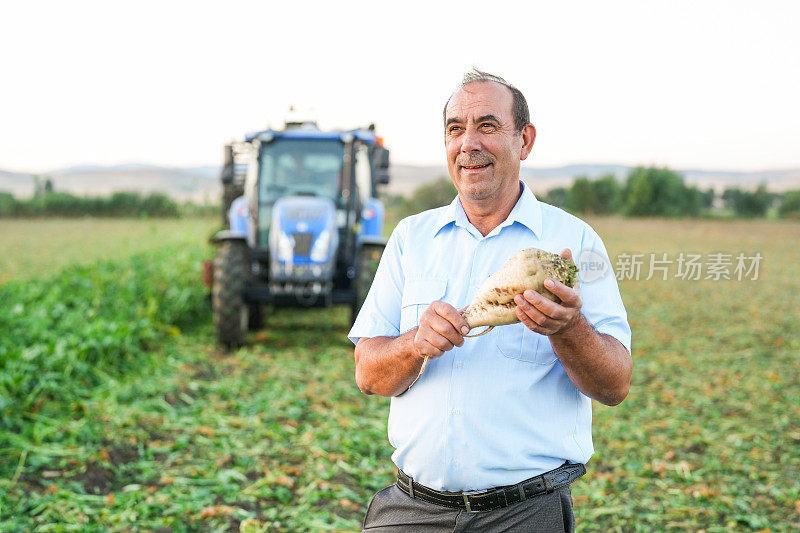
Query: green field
133	420
36	247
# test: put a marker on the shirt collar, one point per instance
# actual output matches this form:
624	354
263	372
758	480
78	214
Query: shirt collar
452	213
527	212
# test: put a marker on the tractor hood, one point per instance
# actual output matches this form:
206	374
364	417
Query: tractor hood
303	239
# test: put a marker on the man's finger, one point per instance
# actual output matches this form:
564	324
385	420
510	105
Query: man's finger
529	322
423	345
570	297
427	349
451	314
442	327
440	343
438	328
547	307
528	310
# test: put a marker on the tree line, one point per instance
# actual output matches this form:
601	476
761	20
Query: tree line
646	191
653	191
49	203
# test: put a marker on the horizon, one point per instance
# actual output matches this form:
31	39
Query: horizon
121	165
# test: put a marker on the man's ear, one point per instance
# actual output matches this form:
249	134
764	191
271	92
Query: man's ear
528	137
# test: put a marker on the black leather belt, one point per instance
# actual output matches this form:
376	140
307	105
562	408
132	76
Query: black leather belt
476	501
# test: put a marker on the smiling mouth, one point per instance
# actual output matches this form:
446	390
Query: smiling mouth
475	167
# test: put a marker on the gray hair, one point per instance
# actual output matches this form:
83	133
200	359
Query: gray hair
519	106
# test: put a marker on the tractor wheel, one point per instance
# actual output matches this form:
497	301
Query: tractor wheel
231	313
368	259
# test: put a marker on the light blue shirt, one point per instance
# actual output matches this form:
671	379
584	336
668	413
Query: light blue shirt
500	408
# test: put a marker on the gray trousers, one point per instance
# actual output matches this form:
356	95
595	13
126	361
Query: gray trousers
392	510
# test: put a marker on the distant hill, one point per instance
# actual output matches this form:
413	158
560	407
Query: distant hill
20	185
406	178
198	184
201	184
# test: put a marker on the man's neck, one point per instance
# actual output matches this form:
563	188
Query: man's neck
487	214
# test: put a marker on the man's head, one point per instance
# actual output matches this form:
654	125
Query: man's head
487	134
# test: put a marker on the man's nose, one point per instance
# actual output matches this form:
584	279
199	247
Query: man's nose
470	140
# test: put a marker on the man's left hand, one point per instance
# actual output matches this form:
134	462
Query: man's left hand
546	317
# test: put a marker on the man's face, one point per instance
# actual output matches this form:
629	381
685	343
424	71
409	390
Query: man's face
483	148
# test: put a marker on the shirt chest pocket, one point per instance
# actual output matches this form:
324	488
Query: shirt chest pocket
417	296
516	341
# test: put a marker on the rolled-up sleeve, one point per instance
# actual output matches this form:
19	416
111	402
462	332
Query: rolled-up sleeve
380	314
602	303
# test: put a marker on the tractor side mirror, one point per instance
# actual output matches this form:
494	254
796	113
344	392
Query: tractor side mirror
227	164
382	158
382	177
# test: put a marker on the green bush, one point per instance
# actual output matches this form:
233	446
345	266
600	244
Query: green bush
730	197
9	206
607	194
121	204
61	204
556	197
660	192
429	196
158	205
707	198
790	206
124	204
580	196
753	204
600	196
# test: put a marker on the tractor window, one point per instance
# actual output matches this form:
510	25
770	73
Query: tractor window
363	175
300	166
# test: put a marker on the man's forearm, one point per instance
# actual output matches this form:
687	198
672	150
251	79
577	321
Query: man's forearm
387	365
599	365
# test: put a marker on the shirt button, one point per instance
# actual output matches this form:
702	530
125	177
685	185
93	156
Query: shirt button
454	411
460	364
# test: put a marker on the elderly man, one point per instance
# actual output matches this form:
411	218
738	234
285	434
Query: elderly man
495	429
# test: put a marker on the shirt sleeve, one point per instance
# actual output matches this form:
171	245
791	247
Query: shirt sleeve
380	314
602	303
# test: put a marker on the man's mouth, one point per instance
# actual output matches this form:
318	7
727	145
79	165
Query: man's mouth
475	167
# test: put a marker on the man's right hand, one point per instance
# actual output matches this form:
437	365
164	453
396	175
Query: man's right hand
389	365
441	327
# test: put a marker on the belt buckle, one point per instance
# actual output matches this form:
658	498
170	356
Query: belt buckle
467	493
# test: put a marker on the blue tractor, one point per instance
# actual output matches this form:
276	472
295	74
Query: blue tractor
304	225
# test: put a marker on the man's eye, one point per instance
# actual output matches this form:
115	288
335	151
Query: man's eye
453	129
487	126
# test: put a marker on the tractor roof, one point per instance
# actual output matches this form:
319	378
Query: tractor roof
310	131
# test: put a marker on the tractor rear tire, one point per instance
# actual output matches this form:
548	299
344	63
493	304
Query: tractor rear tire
231	312
368	259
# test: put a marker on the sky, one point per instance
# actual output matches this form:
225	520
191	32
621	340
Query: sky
687	84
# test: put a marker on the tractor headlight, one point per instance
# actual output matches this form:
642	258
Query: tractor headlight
285	247
321	247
